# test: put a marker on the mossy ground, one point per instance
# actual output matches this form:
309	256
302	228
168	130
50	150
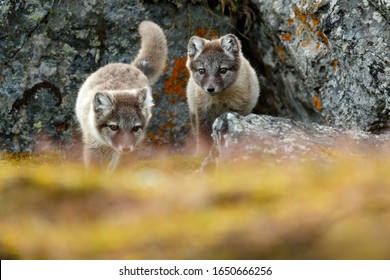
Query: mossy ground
161	208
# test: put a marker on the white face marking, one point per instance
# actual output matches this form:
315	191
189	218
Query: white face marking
130	91
149	99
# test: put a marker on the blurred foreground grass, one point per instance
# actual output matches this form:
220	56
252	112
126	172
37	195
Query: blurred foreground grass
161	209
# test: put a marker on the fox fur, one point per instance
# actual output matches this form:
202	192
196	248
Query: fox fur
114	105
221	80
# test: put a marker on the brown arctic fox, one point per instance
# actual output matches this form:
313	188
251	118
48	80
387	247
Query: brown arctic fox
114	104
221	80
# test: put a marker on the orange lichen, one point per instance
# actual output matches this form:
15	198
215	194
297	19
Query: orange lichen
314	20
172	115
213	33
305	43
174	100
160	136
310	26
299	15
290	21
323	37
151	137
286	36
334	64
299	30
177	82
201	32
280	51
174	87
318	46
61	127
167	125
317	103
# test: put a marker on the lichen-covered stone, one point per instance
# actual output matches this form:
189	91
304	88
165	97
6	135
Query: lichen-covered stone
275	139
48	49
325	61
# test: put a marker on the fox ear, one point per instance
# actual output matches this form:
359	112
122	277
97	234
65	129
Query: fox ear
195	46
231	44
102	102
143	98
141	95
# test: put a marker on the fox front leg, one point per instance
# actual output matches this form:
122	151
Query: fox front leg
113	162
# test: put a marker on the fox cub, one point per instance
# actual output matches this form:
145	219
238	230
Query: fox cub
221	80
114	104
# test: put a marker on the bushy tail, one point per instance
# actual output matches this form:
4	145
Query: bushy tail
152	56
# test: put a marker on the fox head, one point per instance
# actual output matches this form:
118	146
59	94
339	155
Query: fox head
122	116
214	64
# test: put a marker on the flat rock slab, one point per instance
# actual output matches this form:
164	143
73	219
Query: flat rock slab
279	139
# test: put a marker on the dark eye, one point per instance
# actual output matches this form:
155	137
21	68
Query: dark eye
201	71
222	70
137	128
113	127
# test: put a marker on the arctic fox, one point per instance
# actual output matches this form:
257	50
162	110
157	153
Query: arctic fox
114	104
221	80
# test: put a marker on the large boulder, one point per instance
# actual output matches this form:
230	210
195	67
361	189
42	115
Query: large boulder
47	51
325	61
275	140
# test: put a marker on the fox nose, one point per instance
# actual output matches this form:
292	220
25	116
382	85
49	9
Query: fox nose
210	90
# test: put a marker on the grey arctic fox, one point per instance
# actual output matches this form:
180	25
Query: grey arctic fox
114	104
221	80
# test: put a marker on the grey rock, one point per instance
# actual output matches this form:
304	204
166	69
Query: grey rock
48	49
274	139
326	61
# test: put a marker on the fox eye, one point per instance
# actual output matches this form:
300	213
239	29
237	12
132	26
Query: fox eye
222	70
113	127
137	128
201	71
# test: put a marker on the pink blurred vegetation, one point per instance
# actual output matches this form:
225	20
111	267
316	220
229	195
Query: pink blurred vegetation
161	207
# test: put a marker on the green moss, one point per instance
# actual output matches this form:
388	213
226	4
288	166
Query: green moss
38	125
